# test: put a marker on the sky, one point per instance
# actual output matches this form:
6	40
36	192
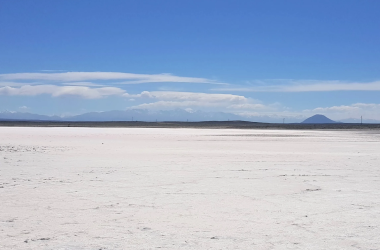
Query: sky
277	58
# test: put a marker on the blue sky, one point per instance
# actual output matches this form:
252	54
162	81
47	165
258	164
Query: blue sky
274	58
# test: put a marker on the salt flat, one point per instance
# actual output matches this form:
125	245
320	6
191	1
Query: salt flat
136	188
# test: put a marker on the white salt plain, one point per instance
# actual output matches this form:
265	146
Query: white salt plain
143	188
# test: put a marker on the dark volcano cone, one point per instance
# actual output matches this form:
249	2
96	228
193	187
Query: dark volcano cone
318	119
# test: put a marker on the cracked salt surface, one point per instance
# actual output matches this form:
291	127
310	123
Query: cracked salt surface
136	188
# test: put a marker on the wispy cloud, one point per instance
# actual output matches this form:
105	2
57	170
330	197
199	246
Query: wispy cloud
57	91
16	84
125	78
88	84
189	100
304	86
190	96
247	106
23	108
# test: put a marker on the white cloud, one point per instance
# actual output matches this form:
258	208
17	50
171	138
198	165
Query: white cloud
56	91
23	108
306	86
127	78
172	105
191	96
88	84
190	105
15	84
341	108
191	100
367	105
247	106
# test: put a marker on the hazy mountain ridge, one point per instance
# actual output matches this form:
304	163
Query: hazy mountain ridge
8	115
127	115
145	115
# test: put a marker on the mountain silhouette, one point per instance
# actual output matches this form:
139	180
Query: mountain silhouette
127	115
24	116
147	116
318	119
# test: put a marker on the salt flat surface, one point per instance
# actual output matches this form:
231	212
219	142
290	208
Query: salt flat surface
136	188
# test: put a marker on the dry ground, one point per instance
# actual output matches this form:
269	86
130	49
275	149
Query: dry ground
151	188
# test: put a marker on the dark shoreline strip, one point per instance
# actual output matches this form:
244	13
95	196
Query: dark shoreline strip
206	124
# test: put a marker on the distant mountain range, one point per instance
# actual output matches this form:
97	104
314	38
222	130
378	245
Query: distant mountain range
147	115
127	115
162	115
27	116
168	115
